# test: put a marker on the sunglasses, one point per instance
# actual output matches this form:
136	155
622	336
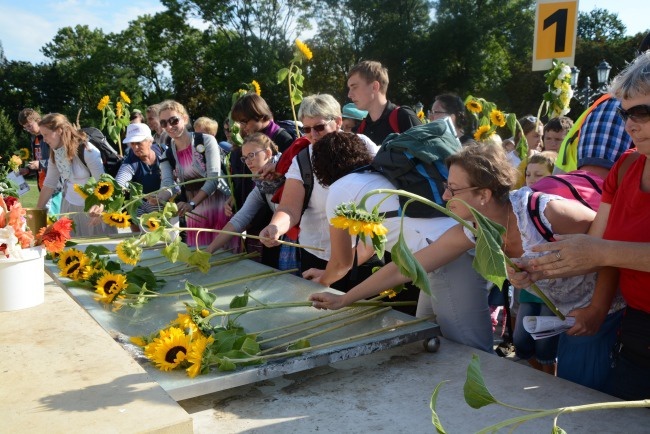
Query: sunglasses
172	122
639	113
318	128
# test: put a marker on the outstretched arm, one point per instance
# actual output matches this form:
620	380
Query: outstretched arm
445	249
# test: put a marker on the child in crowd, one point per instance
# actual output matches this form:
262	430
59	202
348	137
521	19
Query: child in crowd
539	166
555	131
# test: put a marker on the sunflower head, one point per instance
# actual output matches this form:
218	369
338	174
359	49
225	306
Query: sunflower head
129	252
119	107
23	153
196	355
256	87
69	256
125	97
304	50
80	191
110	286
103	102
117	219
474	106
483	132
75	270
152	223
497	118
104	190
168	350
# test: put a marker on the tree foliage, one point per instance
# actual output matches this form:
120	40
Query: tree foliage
201	51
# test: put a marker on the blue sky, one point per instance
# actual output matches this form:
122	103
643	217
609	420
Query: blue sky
27	25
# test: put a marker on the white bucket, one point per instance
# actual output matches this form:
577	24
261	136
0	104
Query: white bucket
21	280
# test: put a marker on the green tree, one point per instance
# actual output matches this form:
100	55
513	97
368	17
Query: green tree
600	25
8	138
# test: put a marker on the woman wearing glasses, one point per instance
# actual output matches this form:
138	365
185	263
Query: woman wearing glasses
186	160
481	175
619	239
320	114
450	105
257	151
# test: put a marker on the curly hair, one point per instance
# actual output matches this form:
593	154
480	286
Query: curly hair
488	167
336	155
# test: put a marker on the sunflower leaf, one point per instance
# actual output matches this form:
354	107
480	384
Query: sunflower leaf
282	74
201	296
476	392
408	265
239	301
200	259
489	260
432	405
225	364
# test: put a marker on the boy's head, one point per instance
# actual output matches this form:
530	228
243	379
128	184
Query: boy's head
539	166
554	132
366	80
29	118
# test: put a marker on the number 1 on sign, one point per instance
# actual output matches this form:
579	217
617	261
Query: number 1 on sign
559	18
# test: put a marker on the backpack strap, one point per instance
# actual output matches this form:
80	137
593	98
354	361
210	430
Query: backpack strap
534	213
80	154
625	165
393	120
576	195
362	126
307	174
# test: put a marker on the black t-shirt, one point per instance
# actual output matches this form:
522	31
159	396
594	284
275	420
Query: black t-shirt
378	130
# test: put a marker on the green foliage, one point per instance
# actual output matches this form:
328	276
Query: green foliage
8	139
435	420
402	256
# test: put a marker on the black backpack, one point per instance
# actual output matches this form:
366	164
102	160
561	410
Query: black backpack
289	126
110	158
415	161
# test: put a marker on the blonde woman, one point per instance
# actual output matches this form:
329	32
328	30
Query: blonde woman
64	163
192	157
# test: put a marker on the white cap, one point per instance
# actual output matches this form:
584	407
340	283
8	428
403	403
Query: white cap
137	133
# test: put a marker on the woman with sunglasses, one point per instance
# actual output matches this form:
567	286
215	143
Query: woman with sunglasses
320	115
619	239
481	175
204	203
257	151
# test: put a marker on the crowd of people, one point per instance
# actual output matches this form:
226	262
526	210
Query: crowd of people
597	269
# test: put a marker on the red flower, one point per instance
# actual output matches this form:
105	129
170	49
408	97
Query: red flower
54	236
10	201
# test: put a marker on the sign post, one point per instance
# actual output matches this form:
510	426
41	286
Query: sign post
556	26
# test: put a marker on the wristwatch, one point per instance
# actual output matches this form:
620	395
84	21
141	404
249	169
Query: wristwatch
192	204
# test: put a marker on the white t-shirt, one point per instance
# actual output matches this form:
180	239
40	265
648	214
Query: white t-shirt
352	187
314	225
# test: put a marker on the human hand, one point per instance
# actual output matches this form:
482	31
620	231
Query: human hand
227	209
569	255
152	200
268	171
34	165
588	321
270	235
184	208
314	274
524	277
96	210
327	300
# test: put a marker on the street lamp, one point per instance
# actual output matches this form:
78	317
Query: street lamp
586	94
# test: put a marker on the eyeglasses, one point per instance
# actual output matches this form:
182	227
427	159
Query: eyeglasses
318	128
250	156
639	113
172	122
455	191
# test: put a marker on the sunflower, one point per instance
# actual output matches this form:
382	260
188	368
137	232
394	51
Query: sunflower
118	109
103	102
109	286
69	256
474	106
117	219
497	118
23	153
390	293
92	274
482	133
104	190
358	221
152	223
421	116
128	252
186	323
125	97
75	270
169	350
138	340
256	86
195	356
304	49
79	190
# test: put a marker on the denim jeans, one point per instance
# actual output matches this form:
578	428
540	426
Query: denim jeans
544	350
460	303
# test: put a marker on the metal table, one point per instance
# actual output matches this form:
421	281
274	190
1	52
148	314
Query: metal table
160	311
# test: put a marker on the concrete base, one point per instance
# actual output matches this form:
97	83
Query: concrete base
389	391
60	372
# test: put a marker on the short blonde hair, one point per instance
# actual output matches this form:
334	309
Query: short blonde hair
370	71
207	125
172	105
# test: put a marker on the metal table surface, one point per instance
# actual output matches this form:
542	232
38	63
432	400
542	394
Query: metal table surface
158	312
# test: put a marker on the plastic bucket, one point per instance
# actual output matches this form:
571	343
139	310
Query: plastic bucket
21	280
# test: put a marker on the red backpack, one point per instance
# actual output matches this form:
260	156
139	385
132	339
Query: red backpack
580	185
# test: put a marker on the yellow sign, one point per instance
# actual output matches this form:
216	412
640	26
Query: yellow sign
556	26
